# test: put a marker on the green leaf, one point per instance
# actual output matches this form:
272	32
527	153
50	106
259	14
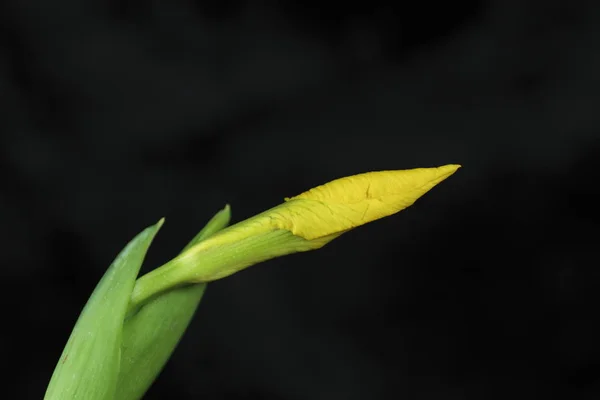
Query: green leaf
88	368
151	333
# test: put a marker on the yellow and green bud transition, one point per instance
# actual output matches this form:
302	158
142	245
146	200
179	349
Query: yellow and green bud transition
304	222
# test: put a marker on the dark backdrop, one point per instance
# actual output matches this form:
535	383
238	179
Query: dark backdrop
115	114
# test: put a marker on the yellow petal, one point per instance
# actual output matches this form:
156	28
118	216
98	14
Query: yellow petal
349	202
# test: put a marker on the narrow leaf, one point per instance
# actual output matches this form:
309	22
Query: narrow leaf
88	368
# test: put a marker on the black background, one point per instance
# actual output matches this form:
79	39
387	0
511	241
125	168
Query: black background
115	114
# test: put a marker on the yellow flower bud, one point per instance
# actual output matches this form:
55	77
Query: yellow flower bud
304	222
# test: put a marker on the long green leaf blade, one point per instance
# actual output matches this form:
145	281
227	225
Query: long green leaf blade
88	368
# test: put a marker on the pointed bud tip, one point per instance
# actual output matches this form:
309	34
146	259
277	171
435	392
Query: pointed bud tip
449	169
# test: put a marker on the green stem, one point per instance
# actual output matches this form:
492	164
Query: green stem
205	263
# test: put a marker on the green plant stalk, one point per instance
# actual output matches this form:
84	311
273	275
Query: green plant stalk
219	261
